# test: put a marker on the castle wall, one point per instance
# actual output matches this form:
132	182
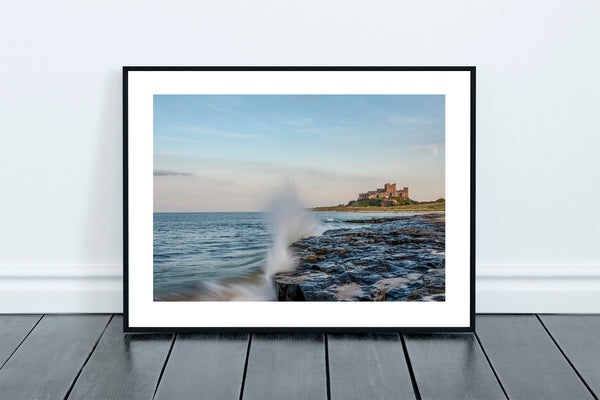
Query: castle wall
389	190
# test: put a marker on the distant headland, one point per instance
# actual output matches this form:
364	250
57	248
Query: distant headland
386	199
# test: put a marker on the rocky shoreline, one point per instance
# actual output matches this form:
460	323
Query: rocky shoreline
392	259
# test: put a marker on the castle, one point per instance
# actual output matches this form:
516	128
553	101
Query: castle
388	191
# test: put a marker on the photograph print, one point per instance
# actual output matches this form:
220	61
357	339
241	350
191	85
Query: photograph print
266	198
299	198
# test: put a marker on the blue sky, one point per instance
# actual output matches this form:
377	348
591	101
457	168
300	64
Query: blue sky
235	152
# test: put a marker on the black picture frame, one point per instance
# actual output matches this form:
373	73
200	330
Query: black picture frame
323	329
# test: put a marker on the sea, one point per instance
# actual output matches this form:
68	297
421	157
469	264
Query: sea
199	256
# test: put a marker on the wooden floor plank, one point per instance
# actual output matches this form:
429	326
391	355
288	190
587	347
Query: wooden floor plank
579	338
286	366
526	360
451	366
13	329
48	361
205	367
123	366
368	366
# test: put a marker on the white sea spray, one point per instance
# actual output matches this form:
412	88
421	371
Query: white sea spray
289	222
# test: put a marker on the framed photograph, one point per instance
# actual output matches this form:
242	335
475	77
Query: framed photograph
264	199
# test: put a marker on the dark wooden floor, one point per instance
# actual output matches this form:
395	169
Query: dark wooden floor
510	356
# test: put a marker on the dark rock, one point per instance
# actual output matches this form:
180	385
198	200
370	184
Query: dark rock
402	292
364	276
435	279
416	294
394	259
343	278
364	297
290	292
373	220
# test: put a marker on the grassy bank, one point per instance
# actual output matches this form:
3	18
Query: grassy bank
422	207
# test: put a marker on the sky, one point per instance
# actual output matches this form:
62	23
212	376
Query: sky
239	152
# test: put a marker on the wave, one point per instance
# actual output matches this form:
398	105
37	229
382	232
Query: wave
288	221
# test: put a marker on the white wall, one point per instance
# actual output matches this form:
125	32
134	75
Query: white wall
538	99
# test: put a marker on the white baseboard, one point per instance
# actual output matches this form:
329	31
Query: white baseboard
61	289
524	290
499	289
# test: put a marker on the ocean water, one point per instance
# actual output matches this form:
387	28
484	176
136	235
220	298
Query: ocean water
196	254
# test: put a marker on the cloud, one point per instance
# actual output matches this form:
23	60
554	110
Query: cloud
297	122
210	132
407	120
431	150
179	139
163	172
312	130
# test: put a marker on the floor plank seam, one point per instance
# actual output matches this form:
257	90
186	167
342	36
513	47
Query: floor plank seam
246	366
162	371
491	366
411	372
87	358
327	375
567	358
21	342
